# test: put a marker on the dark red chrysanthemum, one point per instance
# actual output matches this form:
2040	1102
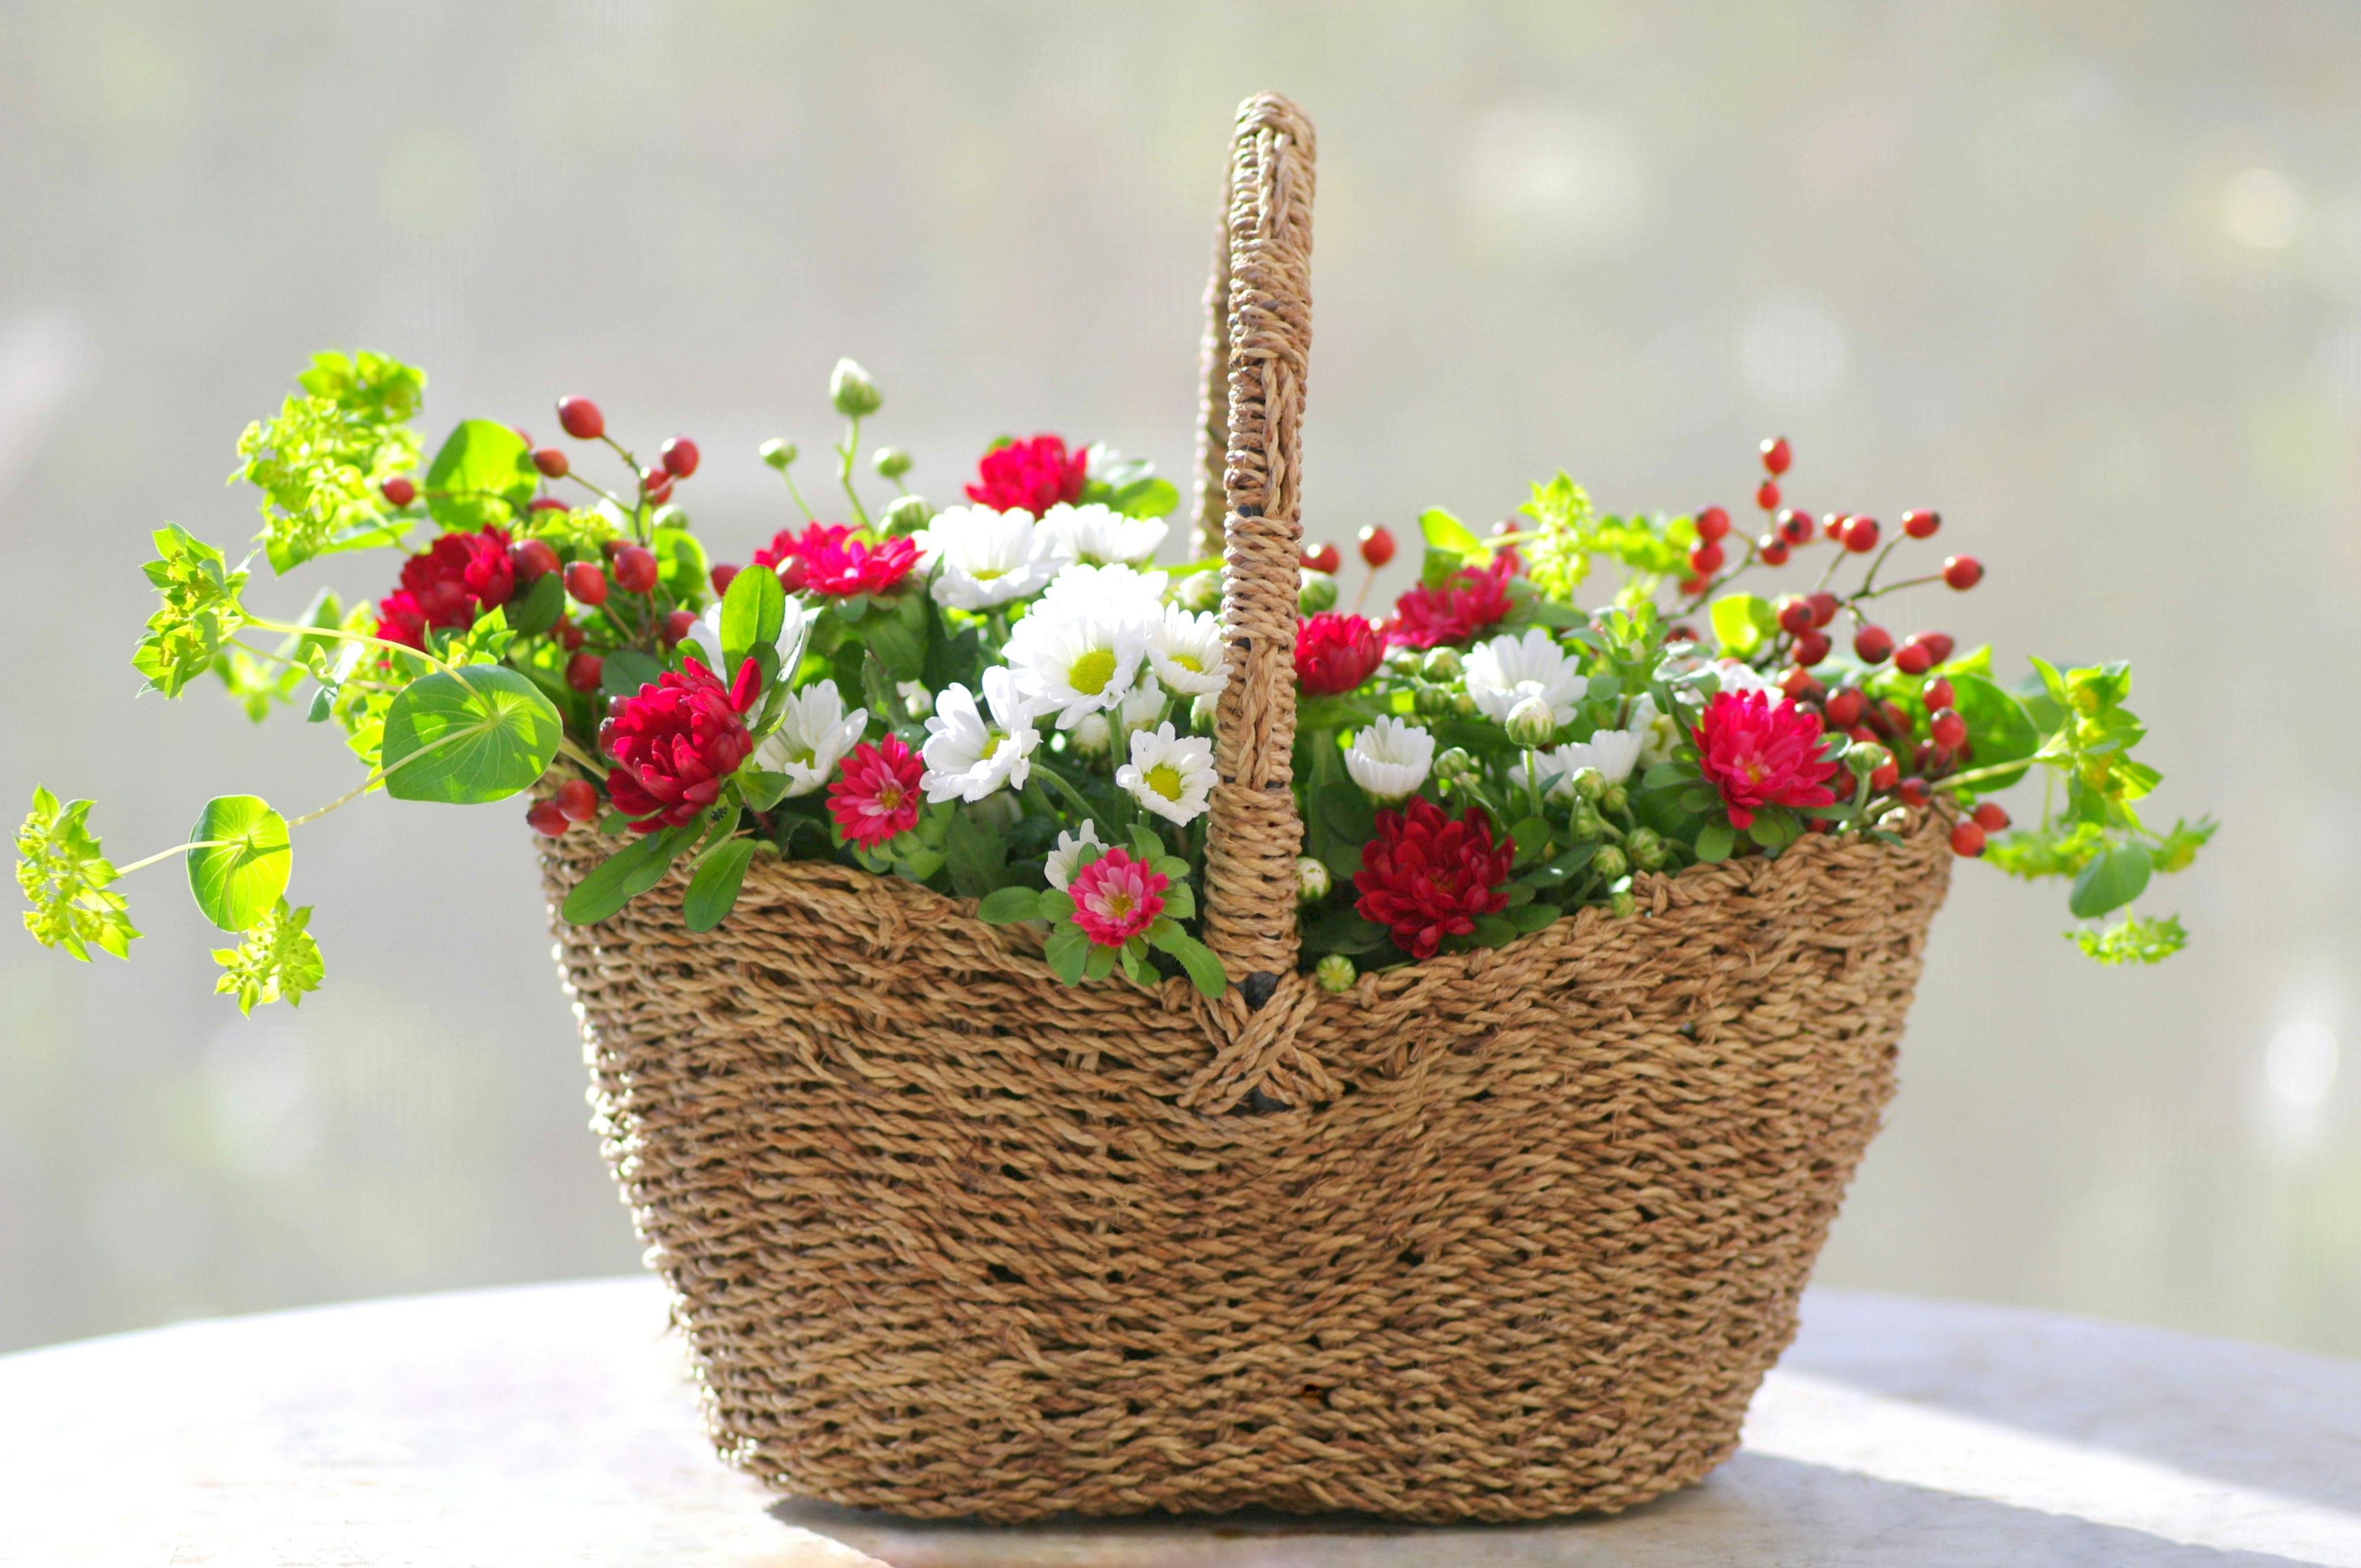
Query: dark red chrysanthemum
1426	876
1471	599
675	742
1030	475
825	558
447	585
875	793
1758	755
1336	653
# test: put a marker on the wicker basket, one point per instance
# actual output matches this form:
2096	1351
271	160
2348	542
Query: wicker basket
1501	1235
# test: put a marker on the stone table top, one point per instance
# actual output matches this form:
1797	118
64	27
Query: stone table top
555	1424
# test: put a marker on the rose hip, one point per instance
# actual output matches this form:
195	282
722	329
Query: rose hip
1811	648
586	583
1913	790
636	569
1706	560
1772	549
1912	658
723	574
545	503
581	419
1690	587
1989	817
1861	535
1938	643
1884	780
657	485
584	671
1796	616
1776	455
1938	694
1377	546
569	636
1712	523
1322	558
1968	839
1832	524
1921	524
677	625
1873	644
680	457
1948	727
1796	527
578	798
1844	706
399	491
1767	496
552	463
1825	606
1963	572
1798	684
547	819
534	559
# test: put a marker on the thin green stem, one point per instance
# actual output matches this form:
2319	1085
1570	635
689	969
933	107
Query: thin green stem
366	641
1869	582
848	452
809	515
355	793
599	491
167	854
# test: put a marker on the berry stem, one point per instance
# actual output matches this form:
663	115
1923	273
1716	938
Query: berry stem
1869	582
848	452
1867	593
359	636
599	491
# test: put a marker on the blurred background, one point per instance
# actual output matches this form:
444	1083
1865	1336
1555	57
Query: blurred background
2088	279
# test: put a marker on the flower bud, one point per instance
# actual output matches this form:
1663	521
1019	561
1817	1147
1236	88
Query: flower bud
1463	705
906	516
1454	764
1311	880
1442	664
669	515
1317	593
850	389
778	453
1586	823
1622	904
1531	723
1865	757
1092	736
1609	862
1617	799
1201	713
1199	592
892	462
1404	658
1335	972
1589	784
1646	847
1431	701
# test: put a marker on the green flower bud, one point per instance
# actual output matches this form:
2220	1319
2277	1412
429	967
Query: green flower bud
1335	972
1311	880
1463	705
1531	723
1317	593
1609	862
1586	823
1622	904
892	462
1200	712
907	515
1433	701
1199	592
853	393
1404	658
1442	664
779	454
1646	847
1454	764
1865	757
1617	800
1589	784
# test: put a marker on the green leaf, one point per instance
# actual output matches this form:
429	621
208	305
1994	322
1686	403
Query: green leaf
899	637
536	609
1198	960
1451	537
1531	837
626	670
2133	940
1009	905
753	613
1998	725
1068	952
2112	880
1099	962
1714	840
483	475
242	868
760	789
1146	498
276	961
626	873
977	854
1772	828
1056	904
1344	931
65	877
466	740
1495	931
1532	917
1742	623
713	890
1146	847
200	612
683	571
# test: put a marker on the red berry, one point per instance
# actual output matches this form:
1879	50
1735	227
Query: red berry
1921	524
1934	759
584	671
1844	707
587	583
1832	524
1873	644
1897	721
1963	572
1865	735
1798	684
680	457
1939	693
1772	550
1861	535
552	463
1796	616
399	491
1377	546
677	625
1682	632
522	434
578	798
1824	605
1767	496
1819	824
581	419
1913	790
545	503
1776	455
1712	523
655	485
1948	727
636	569
569	635
1938	644
534	559
1690	588
1968	839
546	819
1796	527
723	574
1989	817
1811	648
1912	658
1322	558
1885	778
1706	560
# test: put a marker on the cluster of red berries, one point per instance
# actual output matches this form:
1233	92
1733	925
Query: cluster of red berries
577	801
1377	550
1849	711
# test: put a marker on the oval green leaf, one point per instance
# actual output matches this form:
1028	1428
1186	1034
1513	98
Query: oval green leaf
2112	880
239	874
483	475
713	890
464	742
625	874
753	613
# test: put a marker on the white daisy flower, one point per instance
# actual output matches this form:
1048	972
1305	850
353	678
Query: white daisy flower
1114	589
1659	733
1170	775
968	759
1614	752
1101	536
1507	670
1075	659
1734	677
1185	650
706	638
1059	872
987	557
814	734
1390	759
1144	708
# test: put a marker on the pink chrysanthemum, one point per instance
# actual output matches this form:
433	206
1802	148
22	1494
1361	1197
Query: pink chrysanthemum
875	795
825	559
1758	755
1471	599
1030	475
1116	898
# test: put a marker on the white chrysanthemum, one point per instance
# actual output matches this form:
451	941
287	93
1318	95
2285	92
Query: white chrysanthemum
1659	732
1077	659
1505	671
988	558
1059	872
706	638
1172	774
814	734
1144	708
1113	589
1101	536
1185	650
1734	677
1614	752
1390	759
968	758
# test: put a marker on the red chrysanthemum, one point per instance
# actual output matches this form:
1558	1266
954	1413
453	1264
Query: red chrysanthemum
1029	475
875	795
1426	876
825	558
1471	599
1116	898
677	741
447	585
1758	755
1336	653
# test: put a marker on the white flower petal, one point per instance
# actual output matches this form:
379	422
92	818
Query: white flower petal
814	734
1390	759
1170	775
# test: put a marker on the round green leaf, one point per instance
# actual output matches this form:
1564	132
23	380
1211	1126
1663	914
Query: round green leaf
483	475
240	873
464	742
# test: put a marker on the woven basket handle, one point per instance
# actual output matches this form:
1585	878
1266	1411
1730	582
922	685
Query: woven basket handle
1258	335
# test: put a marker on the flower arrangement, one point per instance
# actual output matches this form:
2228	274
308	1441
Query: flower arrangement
1008	698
